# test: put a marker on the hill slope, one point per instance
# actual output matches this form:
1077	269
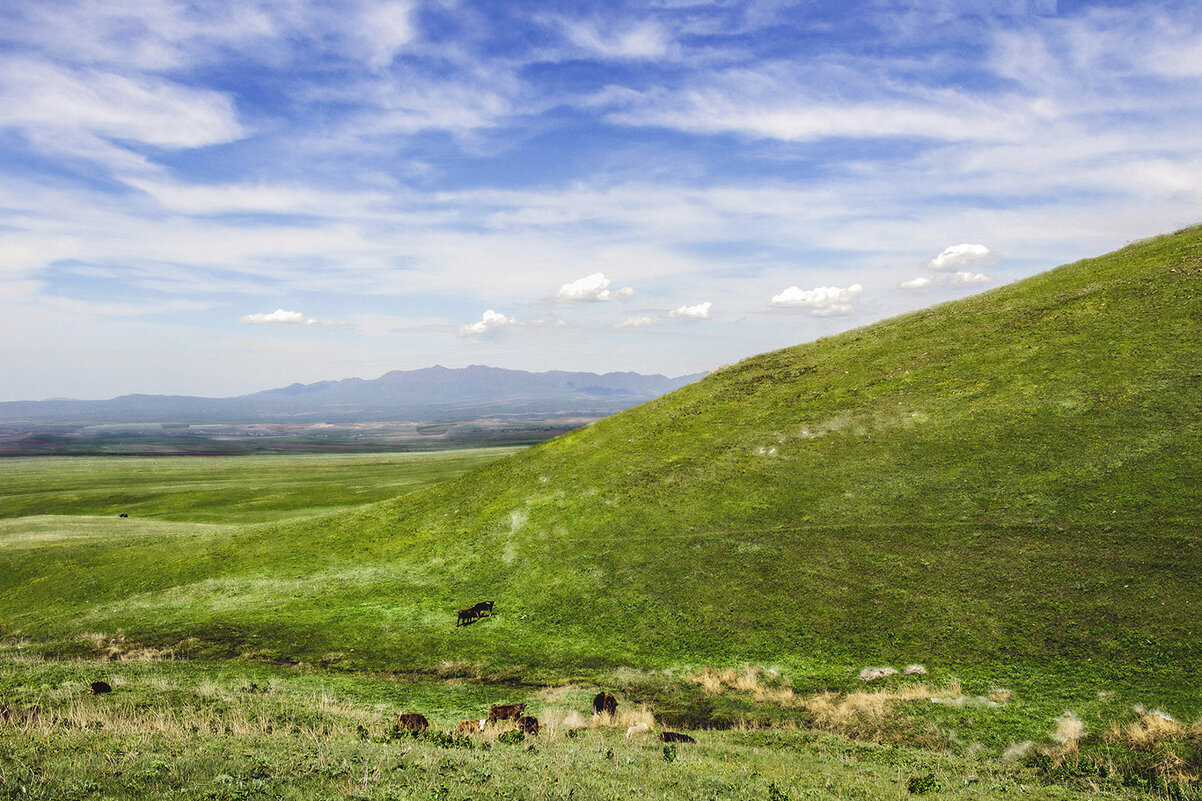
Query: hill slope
1009	481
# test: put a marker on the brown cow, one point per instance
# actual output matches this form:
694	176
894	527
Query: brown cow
604	702
470	726
506	712
466	617
528	724
675	737
411	721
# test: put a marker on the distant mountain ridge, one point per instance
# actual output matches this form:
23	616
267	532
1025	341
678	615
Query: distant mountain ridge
430	393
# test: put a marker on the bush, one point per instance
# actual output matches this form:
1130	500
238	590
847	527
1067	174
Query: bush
923	784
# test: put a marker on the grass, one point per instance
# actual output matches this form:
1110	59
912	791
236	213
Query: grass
1004	489
222	489
243	731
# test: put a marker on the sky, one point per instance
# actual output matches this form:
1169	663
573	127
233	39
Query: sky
216	197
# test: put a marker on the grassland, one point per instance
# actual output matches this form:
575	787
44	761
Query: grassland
1004	488
222	489
222	730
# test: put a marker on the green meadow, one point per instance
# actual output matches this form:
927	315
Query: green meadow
1003	489
221	489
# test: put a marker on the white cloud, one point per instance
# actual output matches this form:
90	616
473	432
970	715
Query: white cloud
646	39
921	282
489	323
965	277
592	288
638	322
386	28
958	278
822	301
700	311
278	317
962	255
83	112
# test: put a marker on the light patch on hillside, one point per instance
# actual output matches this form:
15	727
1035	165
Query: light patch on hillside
38	531
517	519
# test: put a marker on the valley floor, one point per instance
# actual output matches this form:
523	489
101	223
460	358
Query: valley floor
221	730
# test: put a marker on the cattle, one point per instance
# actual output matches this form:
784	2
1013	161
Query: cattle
411	721
123	514
470	726
675	737
466	617
528	724
506	712
100	688
482	608
604	702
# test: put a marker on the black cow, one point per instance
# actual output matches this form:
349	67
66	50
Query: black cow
123	514
100	688
482	608
675	737
528	724
466	617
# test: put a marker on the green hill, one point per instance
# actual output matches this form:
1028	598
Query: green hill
1009	482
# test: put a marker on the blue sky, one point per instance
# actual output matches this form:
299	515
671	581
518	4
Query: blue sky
218	197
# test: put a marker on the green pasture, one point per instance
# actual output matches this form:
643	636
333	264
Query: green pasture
222	489
221	730
1004	489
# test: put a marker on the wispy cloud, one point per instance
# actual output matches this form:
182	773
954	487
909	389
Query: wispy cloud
642	321
278	317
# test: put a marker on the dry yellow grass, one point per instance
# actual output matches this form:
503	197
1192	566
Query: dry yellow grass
1150	728
865	713
764	685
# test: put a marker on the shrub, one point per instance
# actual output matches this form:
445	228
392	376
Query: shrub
923	784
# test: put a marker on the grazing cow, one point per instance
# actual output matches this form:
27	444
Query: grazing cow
482	608
466	617
411	721
470	726
506	712
604	702
100	688
528	724
123	514
675	737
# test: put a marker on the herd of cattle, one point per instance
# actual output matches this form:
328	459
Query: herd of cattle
603	703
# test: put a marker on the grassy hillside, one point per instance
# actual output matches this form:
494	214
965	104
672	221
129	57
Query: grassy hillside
1002	486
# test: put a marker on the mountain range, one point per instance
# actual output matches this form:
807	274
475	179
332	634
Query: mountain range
429	394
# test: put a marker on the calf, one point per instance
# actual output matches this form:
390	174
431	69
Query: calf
470	726
506	712
466	617
528	724
482	608
411	721
675	737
